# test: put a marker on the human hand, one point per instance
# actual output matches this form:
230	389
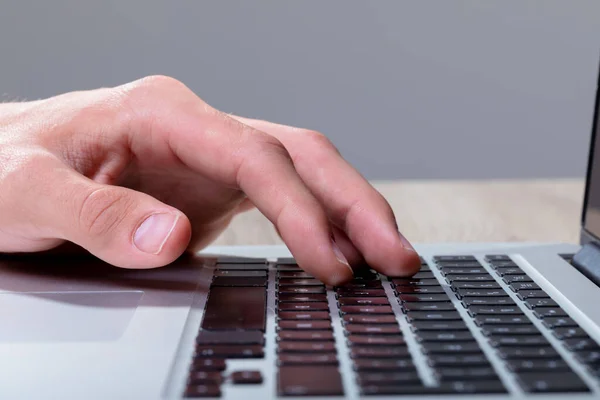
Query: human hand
139	173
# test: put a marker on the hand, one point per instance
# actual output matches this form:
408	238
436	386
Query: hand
139	173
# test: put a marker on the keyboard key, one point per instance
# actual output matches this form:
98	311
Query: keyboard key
304	335
196	391
423	297
242	267
458	361
559	322
457	336
415	282
246	378
532	294
293	298
309	381
363	301
543	312
306	347
383	364
419	289
588	357
491	258
230	351
361	284
239	260
408	306
423	275
294	274
536	382
439	326
360	293
305	325
230	337
456	387
461	293
286	261
316	306
519	341
379	352
470	278
235	308
205	377
370	319
288	268
366	310
240	273
307	359
508	279
527	352
487	301
503	264
500	330
581	344
462	270
501	320
463	264
433	316
567	333
456	258
537	365
228	281
450	348
475	285
373	329
299	282
303	315
520	286
454	374
379	340
208	364
535	303
510	271
494	310
301	290
387	378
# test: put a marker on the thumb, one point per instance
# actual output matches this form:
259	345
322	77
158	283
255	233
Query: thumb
121	226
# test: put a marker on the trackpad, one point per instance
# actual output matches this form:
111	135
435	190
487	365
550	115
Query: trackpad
66	316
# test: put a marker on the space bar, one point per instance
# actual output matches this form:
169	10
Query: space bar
235	308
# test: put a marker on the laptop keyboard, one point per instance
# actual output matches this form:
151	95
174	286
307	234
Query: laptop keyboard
402	336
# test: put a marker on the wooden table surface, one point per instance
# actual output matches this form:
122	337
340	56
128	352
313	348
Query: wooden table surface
460	211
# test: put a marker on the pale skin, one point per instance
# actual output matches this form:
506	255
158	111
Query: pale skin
140	173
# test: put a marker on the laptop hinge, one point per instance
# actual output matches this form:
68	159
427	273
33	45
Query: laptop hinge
587	261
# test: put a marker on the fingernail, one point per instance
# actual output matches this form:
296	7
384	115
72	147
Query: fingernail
340	256
152	234
405	243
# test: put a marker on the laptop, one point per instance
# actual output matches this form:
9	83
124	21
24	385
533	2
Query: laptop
482	321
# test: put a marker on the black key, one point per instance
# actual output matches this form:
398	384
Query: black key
481	293
538	382
230	351
285	359
299	298
305	325
363	301
370	319
361	285
464	264
205	377
423	297
379	352
294	274
455	360
588	357
227	281
299	282
487	301
532	294
306	347
415	282
470	278
208	364
242	267
519	286
455	374
491	258
508	341
287	261
581	344
366	310
501	330
450	348
567	333
475	285
423	275
425	306
503	264
303	315
439	326
535	303
313	306
301	290
543	312
360	293
508	279
241	273
379	340
387	378
457	258
240	260
456	387
419	289
527	352
462	270
235	308
559	322
230	337
456	336
304	335
362	329
495	310
509	271
501	320
246	377
433	316
309	381
196	391
288	268
537	365
401	364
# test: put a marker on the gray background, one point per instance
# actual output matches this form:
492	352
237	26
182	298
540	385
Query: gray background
419	89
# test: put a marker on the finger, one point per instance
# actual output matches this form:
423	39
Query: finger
231	153
350	251
121	226
351	202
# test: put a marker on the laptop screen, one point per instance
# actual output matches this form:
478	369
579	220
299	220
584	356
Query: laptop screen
591	211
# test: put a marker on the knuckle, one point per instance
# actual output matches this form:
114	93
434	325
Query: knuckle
320	140
159	82
258	147
102	211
